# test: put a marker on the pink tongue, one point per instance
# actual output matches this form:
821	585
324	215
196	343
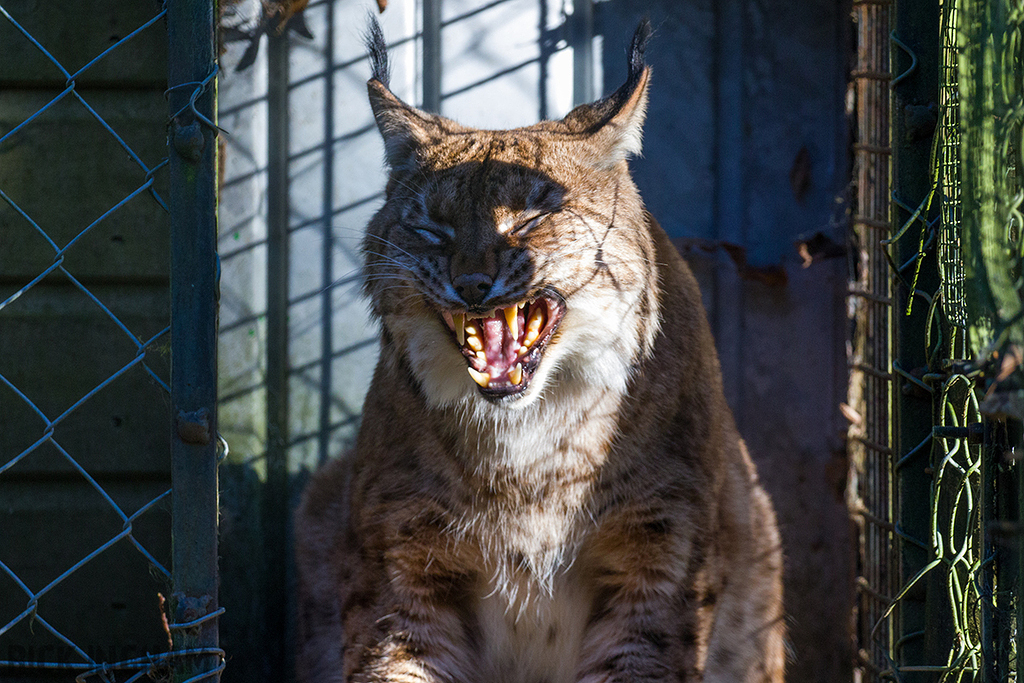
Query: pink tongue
498	345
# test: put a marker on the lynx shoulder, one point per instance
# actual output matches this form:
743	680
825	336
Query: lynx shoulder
548	485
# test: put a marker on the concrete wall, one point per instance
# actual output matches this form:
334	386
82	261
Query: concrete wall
746	143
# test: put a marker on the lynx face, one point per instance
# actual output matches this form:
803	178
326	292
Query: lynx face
500	258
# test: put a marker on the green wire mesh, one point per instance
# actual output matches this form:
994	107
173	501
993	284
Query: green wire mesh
974	336
951	264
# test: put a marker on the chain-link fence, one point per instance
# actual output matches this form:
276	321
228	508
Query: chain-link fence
940	508
871	380
99	224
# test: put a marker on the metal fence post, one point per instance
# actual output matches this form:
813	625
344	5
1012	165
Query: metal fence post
1020	569
921	630
275	496
191	29
432	55
999	493
871	376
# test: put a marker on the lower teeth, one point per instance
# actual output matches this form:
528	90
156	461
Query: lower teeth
481	378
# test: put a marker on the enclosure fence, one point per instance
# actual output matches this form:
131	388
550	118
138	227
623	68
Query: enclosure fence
870	381
939	502
108	442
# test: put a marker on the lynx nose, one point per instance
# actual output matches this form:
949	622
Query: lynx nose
473	287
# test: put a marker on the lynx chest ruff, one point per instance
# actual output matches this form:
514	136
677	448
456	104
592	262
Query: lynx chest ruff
548	486
528	638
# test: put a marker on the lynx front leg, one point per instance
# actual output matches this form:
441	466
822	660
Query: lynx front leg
380	633
416	633
653	608
645	637
381	591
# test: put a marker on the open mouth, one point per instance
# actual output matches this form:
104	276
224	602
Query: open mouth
503	347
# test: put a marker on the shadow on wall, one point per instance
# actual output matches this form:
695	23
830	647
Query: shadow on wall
258	649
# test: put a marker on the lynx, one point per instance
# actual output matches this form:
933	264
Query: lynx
548	485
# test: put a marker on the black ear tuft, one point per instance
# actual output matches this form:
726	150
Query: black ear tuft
613	126
378	49
637	48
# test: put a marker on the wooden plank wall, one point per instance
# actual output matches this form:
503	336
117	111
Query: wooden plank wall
56	345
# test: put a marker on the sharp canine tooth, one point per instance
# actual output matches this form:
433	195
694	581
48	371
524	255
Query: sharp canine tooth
516	374
475	343
459	322
481	378
512	318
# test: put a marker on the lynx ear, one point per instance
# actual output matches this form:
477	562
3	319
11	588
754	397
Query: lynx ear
613	126
404	128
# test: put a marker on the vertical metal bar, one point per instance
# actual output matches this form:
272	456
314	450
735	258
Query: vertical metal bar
1002	579
582	52
922	629
544	57
1008	576
990	509
1018	539
327	253
872	390
275	493
432	55
191	30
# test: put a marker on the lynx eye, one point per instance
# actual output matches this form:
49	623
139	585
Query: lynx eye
434	237
530	223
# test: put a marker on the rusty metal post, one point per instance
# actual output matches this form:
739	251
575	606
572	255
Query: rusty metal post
191	28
